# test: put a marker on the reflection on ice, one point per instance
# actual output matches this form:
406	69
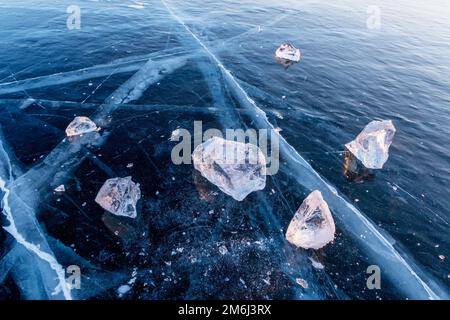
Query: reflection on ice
285	62
204	193
116	226
353	169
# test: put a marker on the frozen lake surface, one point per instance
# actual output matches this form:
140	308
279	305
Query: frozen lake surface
143	69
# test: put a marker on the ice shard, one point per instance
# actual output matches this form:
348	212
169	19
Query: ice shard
60	188
80	125
236	168
312	226
371	146
288	52
119	196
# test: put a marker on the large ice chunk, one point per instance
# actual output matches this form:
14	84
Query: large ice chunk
312	226
288	52
80	125
119	196
236	168
371	146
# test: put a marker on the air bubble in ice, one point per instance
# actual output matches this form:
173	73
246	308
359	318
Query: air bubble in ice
236	168
371	146
312	226
119	196
80	125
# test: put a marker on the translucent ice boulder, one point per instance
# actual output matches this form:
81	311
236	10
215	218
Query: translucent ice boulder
119	196
371	146
312	226
288	52
80	125
236	168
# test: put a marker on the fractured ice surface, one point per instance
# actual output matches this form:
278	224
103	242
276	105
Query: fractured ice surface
119	196
48	280
410	279
66	155
236	168
80	125
371	146
39	275
122	65
289	52
312	225
353	169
